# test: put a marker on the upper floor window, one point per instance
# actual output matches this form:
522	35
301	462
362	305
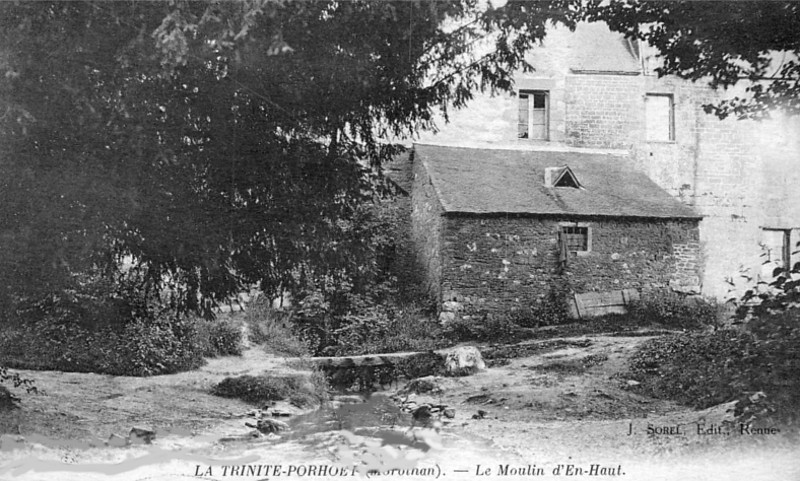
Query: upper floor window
533	115
777	247
659	117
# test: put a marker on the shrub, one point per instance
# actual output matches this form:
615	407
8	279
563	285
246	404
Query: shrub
256	389
671	309
302	390
772	364
701	370
385	329
763	357
221	337
109	323
159	348
140	348
424	364
7	399
272	329
548	311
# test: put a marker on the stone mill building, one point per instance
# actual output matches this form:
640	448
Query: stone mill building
598	176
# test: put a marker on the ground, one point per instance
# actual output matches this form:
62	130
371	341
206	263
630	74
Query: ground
552	403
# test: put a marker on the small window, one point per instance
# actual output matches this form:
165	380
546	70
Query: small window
777	247
560	177
533	115
659	118
566	179
576	238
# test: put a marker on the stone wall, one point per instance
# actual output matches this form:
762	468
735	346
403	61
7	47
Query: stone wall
742	176
501	263
602	110
397	209
426	229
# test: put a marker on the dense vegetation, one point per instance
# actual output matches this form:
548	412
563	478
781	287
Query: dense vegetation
224	145
364	325
159	157
140	348
761	354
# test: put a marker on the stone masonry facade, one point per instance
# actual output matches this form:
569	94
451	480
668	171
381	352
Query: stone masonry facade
501	263
740	175
426	232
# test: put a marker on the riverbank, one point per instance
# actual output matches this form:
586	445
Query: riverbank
566	405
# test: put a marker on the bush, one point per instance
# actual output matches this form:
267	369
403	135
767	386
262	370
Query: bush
301	390
385	329
548	311
425	364
772	364
7	399
256	389
272	329
109	323
140	348
671	309
756	364
158	348
701	370
221	337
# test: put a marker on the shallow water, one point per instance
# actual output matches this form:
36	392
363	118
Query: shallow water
376	410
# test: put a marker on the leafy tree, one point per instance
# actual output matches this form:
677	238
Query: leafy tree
727	43
222	144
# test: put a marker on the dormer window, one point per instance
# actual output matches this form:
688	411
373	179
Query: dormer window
533	115
560	177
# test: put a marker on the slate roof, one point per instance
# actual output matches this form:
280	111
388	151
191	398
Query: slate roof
495	181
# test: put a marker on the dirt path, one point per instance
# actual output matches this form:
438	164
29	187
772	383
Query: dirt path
87	406
565	406
572	398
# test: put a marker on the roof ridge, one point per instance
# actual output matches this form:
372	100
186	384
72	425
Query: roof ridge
522	147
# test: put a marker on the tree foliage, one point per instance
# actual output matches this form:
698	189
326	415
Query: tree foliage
228	143
222	144
727	43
